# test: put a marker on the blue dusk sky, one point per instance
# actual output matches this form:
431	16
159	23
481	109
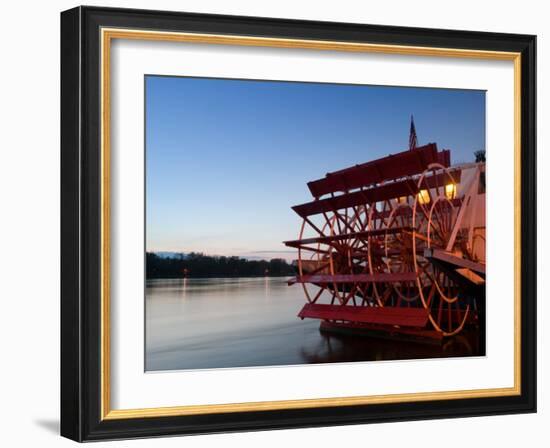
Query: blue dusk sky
226	159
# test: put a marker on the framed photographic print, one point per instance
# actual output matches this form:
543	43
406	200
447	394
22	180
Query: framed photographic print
273	223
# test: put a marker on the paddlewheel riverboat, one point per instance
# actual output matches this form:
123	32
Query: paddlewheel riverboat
395	245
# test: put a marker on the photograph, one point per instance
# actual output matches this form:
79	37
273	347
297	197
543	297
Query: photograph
291	223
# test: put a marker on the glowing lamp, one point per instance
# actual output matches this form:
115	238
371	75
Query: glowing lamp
450	191
423	197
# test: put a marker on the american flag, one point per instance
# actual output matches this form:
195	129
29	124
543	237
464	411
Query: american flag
412	136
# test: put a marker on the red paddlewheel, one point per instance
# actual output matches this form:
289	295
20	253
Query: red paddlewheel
348	256
435	216
314	260
381	236
399	257
377	223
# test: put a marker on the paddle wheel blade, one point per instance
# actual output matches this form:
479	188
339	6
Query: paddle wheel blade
394	166
415	317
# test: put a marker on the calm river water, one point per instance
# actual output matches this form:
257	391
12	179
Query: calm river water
245	322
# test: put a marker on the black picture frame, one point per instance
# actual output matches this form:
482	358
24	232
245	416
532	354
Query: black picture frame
81	224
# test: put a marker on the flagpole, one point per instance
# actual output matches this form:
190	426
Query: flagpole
412	135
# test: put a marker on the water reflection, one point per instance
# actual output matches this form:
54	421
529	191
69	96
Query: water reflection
344	348
244	322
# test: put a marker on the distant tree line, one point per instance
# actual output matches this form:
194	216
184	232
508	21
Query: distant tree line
200	265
